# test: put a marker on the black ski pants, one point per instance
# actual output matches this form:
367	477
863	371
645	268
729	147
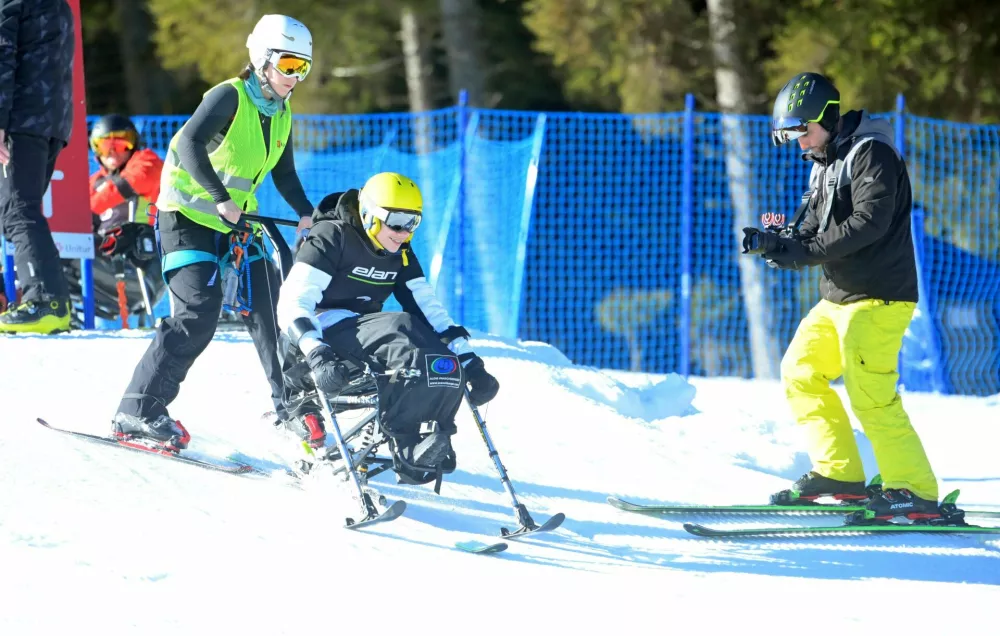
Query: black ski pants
196	302
32	161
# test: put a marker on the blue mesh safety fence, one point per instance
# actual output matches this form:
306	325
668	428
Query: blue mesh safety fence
616	237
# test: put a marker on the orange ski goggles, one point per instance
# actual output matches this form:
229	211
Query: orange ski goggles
115	142
293	66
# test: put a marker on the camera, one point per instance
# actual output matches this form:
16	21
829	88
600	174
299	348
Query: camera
763	241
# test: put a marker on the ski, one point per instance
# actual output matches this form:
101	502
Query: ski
478	547
392	512
235	468
554	522
797	509
720	533
804	507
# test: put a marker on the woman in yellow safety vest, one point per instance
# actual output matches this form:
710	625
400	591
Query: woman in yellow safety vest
239	134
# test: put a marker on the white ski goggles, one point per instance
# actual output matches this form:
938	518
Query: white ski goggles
395	220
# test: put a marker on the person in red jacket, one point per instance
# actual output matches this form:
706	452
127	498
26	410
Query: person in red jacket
123	195
127	185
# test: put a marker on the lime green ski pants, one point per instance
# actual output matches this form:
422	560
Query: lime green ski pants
859	341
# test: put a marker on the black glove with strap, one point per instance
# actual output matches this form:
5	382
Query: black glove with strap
789	253
331	375
483	387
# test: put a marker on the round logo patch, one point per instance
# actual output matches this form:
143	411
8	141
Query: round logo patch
444	366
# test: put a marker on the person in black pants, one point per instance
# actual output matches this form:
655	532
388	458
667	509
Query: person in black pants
36	116
238	134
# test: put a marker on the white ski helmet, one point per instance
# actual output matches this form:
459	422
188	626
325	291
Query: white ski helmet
278	33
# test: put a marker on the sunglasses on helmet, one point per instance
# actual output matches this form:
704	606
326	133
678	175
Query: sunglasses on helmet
291	65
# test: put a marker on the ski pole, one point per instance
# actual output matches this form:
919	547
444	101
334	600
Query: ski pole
523	517
342	446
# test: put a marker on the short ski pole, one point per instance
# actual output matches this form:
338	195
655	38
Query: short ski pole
523	517
342	446
145	293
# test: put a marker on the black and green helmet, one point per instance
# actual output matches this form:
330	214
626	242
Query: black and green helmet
806	97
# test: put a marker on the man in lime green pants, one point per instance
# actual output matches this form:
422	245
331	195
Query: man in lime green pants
855	222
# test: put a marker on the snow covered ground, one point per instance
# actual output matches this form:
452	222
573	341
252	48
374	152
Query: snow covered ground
103	541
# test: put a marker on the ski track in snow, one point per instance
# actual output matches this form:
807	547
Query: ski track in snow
121	543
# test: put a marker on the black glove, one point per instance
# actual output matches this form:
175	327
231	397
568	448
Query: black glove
788	254
134	240
331	375
483	387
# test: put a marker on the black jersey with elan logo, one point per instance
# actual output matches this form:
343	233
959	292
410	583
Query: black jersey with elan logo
339	268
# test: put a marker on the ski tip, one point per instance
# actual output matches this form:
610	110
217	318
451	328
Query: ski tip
554	521
697	530
621	504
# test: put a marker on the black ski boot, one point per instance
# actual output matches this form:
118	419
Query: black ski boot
896	503
432	450
812	486
425	457
163	429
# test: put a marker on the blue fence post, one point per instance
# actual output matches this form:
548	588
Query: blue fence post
687	212
451	208
9	280
514	319
926	305
87	288
463	119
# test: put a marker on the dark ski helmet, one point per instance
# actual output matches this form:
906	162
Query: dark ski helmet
113	126
806	97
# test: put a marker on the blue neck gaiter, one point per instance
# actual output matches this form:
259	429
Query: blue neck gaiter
265	105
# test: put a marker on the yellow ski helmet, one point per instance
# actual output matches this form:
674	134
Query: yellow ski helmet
392	199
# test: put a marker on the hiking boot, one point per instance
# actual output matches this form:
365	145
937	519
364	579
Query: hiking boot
163	429
43	317
812	486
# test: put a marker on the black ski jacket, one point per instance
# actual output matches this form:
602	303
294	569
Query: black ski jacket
37	40
865	243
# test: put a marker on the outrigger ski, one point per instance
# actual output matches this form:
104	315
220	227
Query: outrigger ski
478	547
392	512
531	527
952	521
150	447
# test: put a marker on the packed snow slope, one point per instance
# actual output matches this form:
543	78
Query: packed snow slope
100	540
